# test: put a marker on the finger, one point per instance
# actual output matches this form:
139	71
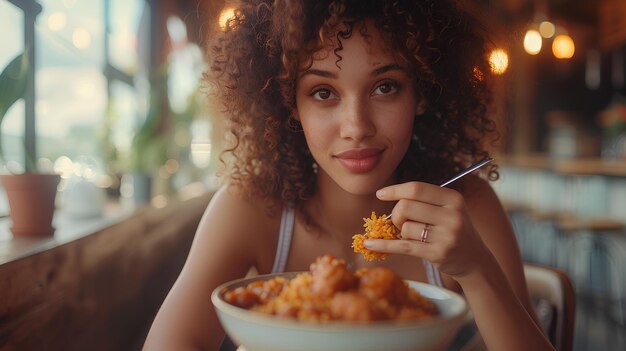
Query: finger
415	211
403	247
425	233
420	191
413	230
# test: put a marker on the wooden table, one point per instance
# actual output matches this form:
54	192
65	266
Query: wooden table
97	290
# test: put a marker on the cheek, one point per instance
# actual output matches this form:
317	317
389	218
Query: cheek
401	130
400	134
316	133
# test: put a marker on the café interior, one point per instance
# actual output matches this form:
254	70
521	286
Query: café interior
115	106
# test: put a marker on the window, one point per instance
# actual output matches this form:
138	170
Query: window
92	86
127	21
12	39
71	95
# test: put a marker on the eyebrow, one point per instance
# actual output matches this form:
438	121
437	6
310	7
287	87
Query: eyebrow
318	72
377	71
387	68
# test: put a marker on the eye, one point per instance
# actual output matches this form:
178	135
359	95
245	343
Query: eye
386	88
323	94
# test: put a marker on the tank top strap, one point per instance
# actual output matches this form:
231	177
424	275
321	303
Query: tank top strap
284	239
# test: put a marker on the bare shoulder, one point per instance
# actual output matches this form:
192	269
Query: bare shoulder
235	222
230	207
233	235
480	197
487	214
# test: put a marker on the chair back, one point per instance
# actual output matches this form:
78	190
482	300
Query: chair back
553	296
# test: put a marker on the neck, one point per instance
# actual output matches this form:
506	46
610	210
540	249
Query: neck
340	213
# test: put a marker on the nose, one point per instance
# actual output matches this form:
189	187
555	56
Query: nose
356	122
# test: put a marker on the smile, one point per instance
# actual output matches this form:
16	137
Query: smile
360	160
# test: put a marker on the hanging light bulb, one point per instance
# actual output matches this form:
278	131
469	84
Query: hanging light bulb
225	15
57	21
547	29
563	47
498	61
532	42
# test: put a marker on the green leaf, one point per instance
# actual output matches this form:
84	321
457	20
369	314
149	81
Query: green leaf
13	83
150	143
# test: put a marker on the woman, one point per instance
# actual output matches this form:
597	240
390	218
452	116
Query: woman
338	109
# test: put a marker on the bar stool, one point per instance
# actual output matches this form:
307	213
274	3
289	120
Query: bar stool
531	195
543	237
616	244
591	260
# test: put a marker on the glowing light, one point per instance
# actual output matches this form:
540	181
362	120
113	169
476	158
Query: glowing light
64	166
532	42
86	90
547	29
104	181
563	47
171	166
225	15
56	21
81	38
176	29
159	201
498	61
201	153
478	74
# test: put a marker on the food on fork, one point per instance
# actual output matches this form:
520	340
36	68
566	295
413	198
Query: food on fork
375	228
332	292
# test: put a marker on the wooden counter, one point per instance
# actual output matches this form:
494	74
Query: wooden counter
591	166
101	291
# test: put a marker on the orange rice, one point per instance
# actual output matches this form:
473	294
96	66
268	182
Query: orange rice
375	228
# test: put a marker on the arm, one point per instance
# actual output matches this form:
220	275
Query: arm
488	292
224	248
472	242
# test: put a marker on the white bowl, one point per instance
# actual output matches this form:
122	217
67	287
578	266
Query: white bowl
256	331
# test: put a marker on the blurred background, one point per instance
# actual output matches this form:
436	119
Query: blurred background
117	102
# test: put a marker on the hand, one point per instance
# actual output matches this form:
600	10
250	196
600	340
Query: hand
453	245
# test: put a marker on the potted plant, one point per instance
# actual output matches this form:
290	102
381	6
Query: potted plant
31	194
152	141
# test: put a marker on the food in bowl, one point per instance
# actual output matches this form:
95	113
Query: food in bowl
332	292
256	331
375	228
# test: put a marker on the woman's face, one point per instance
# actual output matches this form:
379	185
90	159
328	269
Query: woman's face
357	114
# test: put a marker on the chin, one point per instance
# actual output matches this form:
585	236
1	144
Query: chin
361	185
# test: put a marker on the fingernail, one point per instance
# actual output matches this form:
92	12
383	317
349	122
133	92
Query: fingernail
381	193
368	244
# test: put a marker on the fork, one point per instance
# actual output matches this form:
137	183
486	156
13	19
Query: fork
466	171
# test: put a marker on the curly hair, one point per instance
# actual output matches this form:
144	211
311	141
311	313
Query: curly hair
254	64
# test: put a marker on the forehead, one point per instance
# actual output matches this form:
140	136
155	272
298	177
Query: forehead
364	44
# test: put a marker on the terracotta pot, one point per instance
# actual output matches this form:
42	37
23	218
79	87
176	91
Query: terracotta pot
31	200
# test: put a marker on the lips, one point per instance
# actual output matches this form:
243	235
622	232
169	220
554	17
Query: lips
360	160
